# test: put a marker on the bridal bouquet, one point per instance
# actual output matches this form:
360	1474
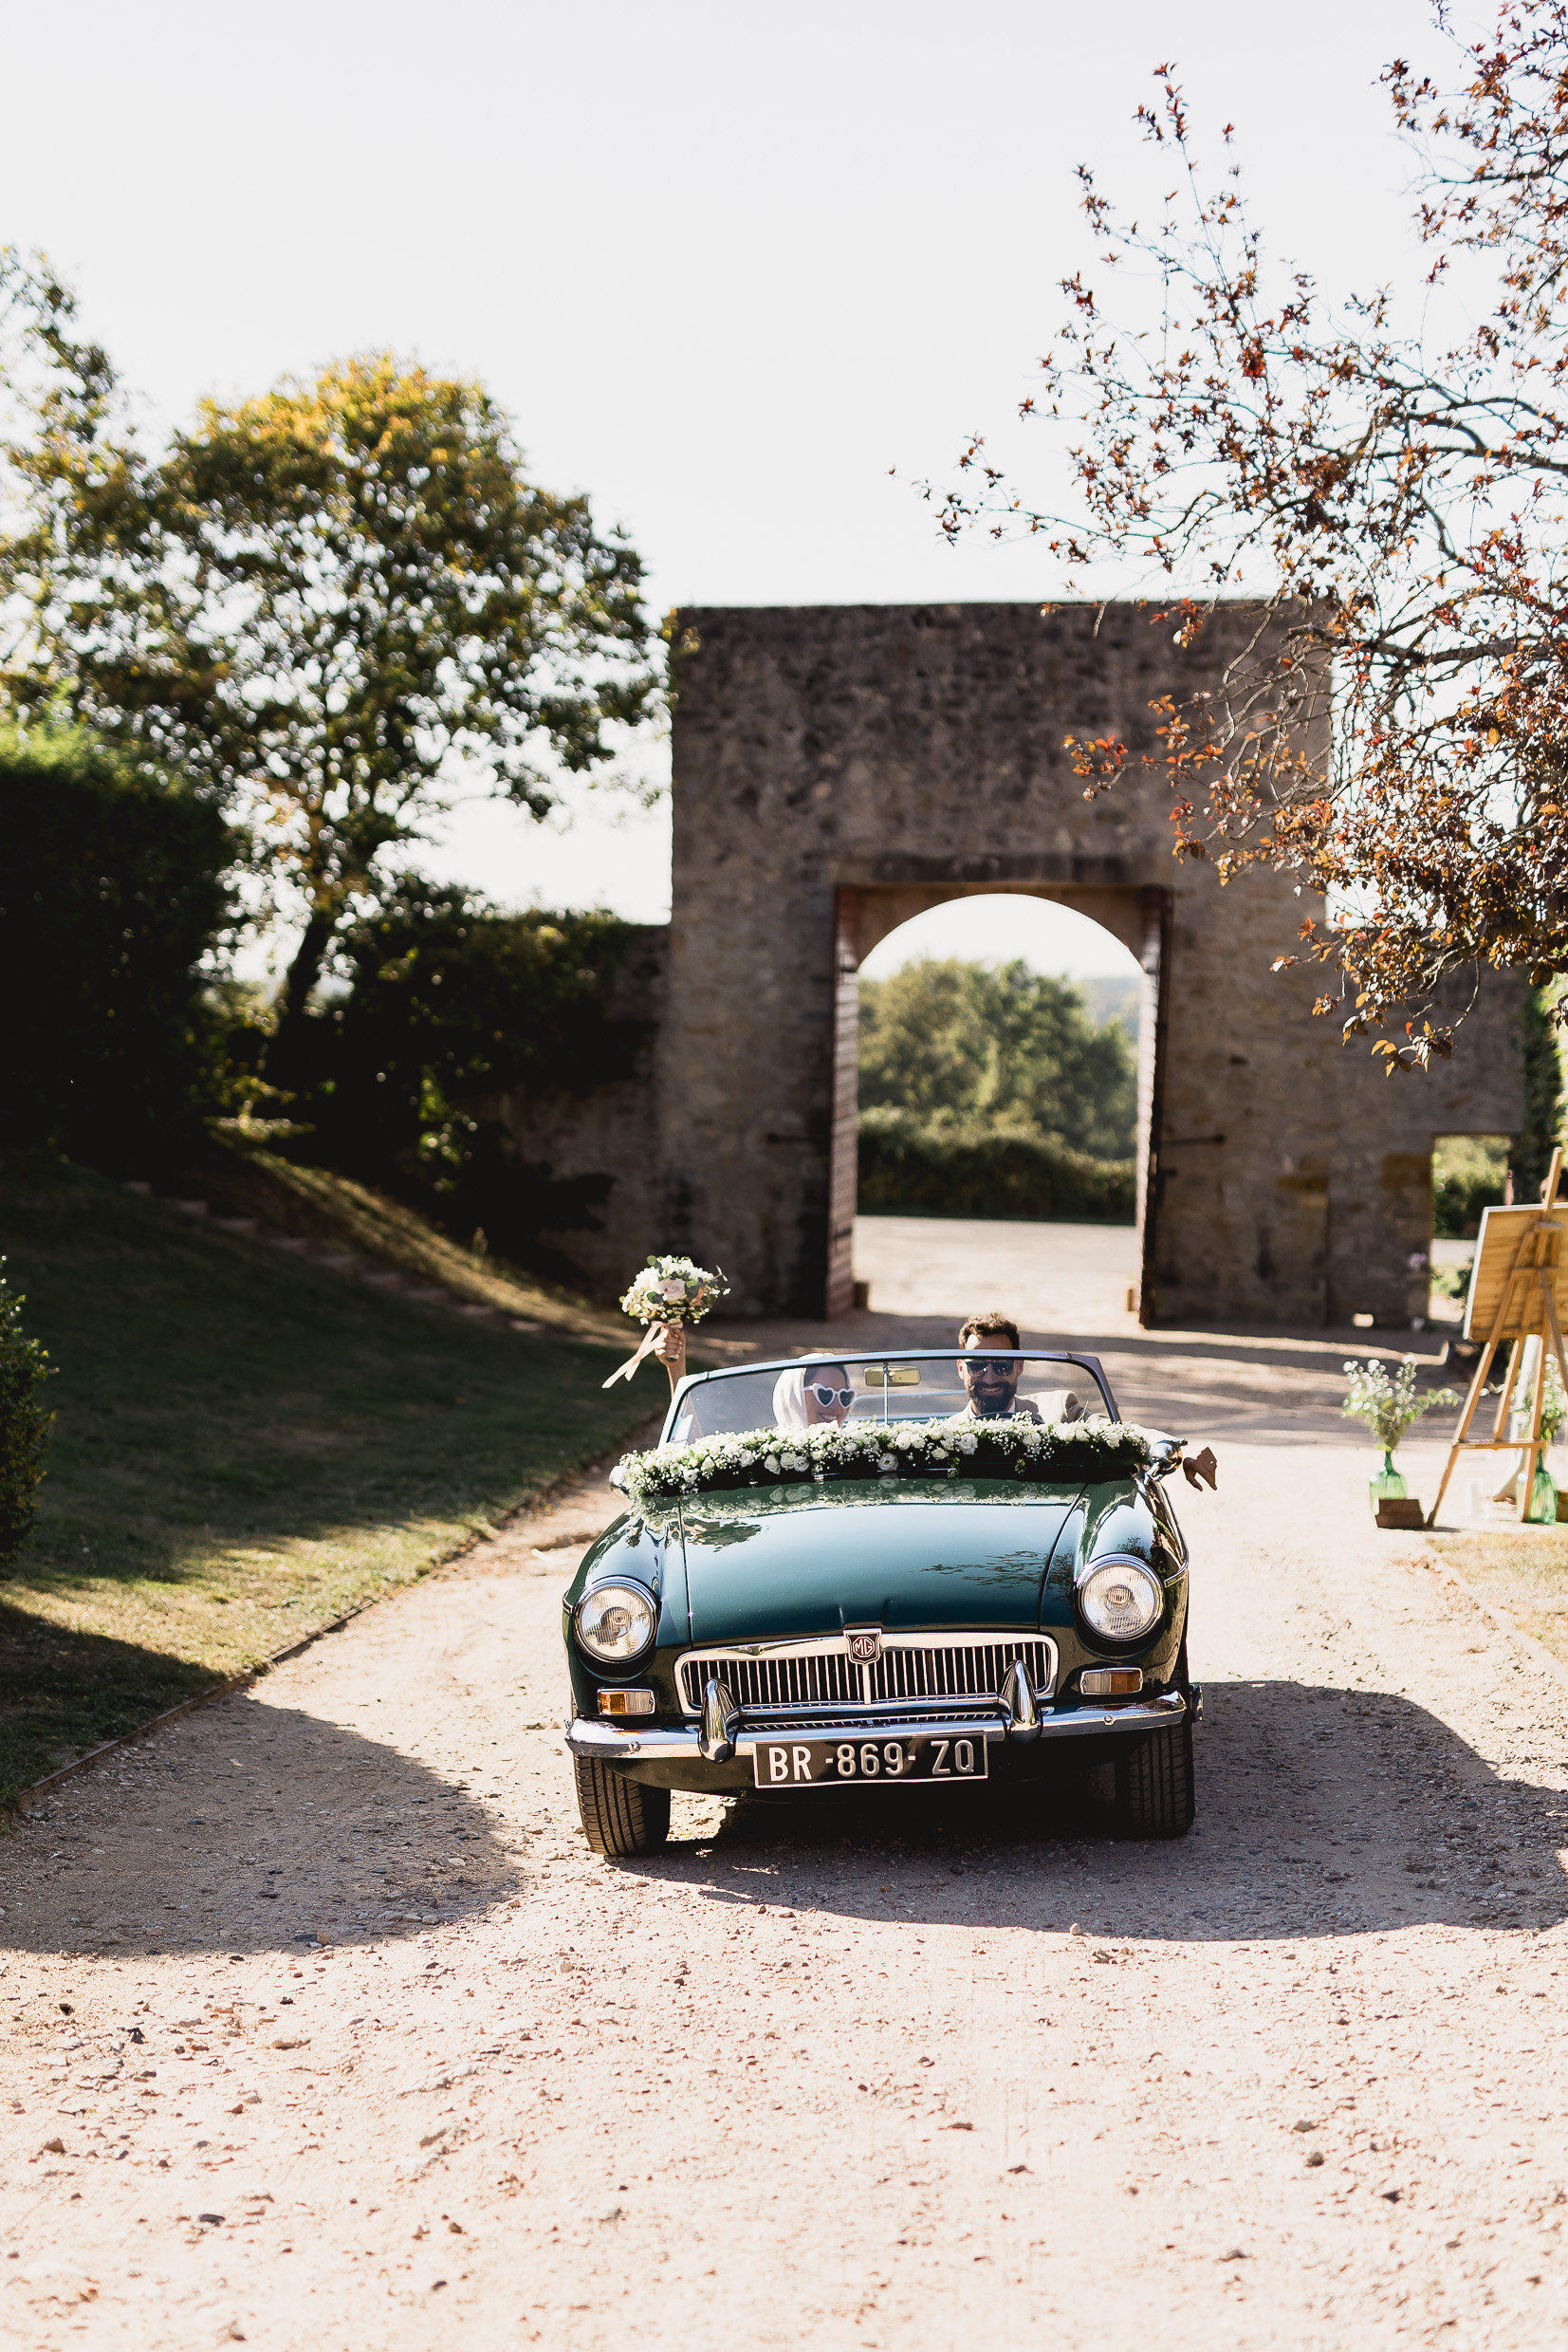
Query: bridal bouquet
673	1291
667	1291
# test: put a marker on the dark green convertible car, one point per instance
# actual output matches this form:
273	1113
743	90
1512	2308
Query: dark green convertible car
896	1572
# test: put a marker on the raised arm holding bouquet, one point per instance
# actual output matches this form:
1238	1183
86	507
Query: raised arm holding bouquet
667	1295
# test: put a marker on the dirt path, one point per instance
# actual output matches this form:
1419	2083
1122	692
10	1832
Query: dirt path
809	2077
1061	1277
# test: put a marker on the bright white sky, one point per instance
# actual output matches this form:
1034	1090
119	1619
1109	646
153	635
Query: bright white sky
998	930
728	266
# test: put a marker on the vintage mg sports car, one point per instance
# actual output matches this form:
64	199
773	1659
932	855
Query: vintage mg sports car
898	1572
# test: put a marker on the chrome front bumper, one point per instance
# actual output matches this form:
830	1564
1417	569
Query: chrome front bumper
585	1737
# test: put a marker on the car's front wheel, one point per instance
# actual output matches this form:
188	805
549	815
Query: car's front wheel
1155	1794
620	1817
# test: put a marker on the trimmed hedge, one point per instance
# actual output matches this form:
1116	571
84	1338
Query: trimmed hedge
1458	1201
112	893
907	1169
23	1424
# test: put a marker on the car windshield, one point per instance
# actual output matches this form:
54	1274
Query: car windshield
983	1383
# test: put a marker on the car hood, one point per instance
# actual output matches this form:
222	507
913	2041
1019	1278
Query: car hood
807	1560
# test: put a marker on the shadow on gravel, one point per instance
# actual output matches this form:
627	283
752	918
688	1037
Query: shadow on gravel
1321	1811
313	1831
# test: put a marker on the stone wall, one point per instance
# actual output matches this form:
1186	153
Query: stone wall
834	769
611	1130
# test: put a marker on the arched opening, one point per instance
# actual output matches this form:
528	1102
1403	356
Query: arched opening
998	1103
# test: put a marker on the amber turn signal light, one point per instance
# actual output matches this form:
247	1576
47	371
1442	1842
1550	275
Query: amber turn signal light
1111	1681
626	1702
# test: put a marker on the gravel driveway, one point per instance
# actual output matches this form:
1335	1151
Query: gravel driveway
807	2078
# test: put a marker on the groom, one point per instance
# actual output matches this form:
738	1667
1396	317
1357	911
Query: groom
991	1382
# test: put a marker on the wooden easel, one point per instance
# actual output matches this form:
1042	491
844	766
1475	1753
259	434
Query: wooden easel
1515	1285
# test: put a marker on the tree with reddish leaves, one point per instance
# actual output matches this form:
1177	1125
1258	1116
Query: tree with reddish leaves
1395	504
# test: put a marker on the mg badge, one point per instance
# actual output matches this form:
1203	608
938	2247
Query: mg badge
864	1643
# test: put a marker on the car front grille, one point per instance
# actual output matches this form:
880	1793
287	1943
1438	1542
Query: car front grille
923	1671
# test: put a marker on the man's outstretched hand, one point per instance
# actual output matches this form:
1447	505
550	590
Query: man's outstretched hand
1201	1467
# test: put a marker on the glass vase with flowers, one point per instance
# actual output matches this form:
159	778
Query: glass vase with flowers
1389	1405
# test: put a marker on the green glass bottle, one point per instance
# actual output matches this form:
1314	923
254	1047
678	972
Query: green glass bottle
1544	1495
1387	1487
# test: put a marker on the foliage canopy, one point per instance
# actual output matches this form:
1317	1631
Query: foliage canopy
322	603
999	1047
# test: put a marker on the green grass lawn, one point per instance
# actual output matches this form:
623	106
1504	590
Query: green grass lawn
246	1445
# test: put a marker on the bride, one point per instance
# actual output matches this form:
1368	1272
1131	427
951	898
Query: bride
812	1393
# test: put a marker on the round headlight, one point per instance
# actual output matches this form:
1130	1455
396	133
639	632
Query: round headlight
615	1622
1121	1599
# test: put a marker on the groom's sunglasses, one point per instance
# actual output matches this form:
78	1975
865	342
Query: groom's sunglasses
1001	1365
831	1395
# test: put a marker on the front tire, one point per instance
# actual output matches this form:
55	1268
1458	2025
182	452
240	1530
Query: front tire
620	1817
1155	1794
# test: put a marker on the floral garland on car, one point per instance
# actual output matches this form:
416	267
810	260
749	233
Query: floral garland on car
1016	1448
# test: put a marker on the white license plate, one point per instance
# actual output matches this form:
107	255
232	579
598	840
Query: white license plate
886	1763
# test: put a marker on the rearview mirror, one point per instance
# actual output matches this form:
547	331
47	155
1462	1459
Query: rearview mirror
893	1376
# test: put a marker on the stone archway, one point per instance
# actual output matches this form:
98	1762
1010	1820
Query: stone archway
838	767
865	914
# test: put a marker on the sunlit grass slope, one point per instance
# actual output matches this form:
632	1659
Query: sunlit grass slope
246	1445
334	1209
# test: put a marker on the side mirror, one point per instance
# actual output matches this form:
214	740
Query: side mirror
1169	1454
1165	1455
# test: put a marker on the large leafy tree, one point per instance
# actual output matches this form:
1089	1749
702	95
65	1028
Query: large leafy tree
323	603
971	1045
1387	477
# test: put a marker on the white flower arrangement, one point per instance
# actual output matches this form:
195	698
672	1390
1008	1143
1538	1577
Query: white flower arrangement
1388	1406
667	1291
1016	1448
673	1291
